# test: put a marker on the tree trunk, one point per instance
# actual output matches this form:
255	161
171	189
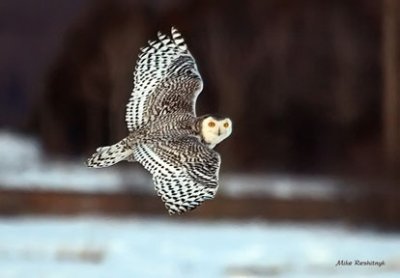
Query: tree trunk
391	98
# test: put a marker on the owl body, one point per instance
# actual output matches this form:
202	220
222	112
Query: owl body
165	135
169	125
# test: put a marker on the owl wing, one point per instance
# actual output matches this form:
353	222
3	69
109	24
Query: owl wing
185	172
166	80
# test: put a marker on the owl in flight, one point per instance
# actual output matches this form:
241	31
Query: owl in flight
165	135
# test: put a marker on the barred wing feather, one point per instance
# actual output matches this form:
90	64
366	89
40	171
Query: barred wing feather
166	80
185	172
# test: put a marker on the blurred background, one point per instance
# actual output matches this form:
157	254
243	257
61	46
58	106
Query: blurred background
309	176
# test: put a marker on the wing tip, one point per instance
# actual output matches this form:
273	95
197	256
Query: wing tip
174	29
162	39
178	38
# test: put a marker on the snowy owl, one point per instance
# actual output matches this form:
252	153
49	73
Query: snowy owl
165	135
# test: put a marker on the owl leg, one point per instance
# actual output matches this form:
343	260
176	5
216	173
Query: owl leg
110	155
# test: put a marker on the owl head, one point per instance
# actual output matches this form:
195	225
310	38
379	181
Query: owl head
214	129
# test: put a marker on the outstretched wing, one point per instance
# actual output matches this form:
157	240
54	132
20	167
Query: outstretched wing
166	80
185	172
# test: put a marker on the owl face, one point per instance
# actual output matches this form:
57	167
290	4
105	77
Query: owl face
215	130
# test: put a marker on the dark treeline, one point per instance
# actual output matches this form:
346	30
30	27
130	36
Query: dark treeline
301	79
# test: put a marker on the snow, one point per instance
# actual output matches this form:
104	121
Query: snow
281	186
26	167
173	246
17	151
167	247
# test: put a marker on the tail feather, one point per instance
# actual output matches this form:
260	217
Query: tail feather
109	155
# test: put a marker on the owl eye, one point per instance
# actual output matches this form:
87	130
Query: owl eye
211	124
226	125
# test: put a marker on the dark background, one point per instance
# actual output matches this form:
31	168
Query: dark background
311	86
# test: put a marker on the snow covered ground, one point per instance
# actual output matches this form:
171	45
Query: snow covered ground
26	167
167	247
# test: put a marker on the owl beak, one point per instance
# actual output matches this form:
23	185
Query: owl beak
219	131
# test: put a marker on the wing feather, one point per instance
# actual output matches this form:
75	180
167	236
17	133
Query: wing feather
165	76
185	172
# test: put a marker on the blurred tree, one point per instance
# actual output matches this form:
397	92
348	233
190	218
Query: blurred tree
85	97
391	69
301	80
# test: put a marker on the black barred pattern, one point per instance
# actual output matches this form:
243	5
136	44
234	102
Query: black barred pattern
185	172
107	156
166	80
165	134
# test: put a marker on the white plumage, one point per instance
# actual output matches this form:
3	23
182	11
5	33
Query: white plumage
165	135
